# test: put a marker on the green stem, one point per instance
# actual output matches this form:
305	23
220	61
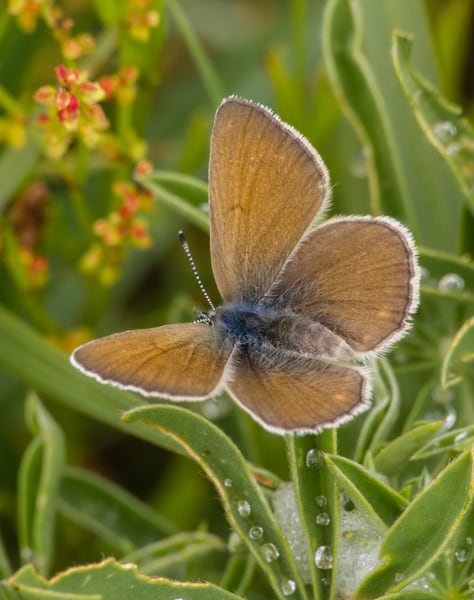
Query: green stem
209	76
193	214
5	566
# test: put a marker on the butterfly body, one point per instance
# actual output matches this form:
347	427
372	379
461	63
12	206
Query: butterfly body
305	305
257	326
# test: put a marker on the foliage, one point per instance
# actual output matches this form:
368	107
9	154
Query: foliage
106	109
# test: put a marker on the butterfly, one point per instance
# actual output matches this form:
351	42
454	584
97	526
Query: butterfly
304	305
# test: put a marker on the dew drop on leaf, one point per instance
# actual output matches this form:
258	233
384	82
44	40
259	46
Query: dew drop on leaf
256	533
323	557
323	519
451	282
444	131
461	555
270	552
244	509
314	459
288	587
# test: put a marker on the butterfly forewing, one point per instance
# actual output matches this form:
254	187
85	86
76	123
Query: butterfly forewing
290	393
179	361
266	184
356	276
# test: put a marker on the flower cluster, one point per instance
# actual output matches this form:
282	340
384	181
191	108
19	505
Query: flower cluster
72	111
35	267
28	12
141	19
121	85
121	229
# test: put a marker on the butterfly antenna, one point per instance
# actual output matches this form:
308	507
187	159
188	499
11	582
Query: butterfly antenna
187	251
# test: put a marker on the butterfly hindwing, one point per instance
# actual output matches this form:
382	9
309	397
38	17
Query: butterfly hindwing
357	276
177	361
285	392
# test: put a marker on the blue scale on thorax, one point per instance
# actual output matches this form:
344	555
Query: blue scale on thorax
248	324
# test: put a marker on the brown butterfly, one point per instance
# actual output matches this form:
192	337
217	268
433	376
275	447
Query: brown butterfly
304	305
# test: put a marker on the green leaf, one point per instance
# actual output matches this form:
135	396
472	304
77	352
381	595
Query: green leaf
441	122
27	355
225	466
15	164
311	479
176	201
452	441
394	456
109	511
438	264
357	90
177	550
460	353
191	188
5	566
412	595
110	580
38	487
369	494
424	530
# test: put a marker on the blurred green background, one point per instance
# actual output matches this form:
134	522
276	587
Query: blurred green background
84	255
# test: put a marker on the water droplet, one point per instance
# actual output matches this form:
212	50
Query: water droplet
228	483
288	587
321	500
235	543
27	555
449	420
461	555
459	439
314	459
358	165
469	541
441	396
451	282
204	207
445	131
270	552
323	557
470	585
424	275
400	357
326	580
243	508
453	149
399	577
256	533
323	519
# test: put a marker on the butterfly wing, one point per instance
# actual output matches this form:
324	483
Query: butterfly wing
266	185
287	393
183	361
357	276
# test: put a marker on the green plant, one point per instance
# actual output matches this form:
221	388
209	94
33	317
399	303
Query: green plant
380	508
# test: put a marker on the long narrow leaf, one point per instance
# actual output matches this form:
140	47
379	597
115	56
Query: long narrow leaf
424	530
245	506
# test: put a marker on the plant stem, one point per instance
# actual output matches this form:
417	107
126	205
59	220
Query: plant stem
206	70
